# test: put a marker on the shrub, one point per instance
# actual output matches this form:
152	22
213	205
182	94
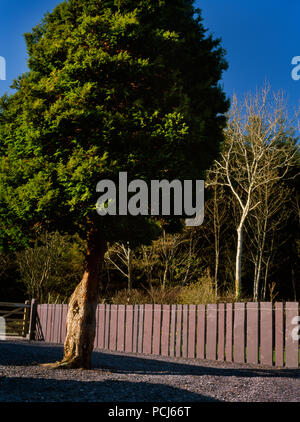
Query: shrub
133	297
200	292
166	296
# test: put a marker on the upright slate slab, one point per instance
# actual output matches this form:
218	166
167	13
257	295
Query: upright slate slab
121	328
266	333
211	334
279	334
148	321
192	331
129	329
165	335
156	329
200	336
173	330
229	332
292	334
252	332
221	331
239	332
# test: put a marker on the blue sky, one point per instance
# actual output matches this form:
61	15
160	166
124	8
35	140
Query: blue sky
260	36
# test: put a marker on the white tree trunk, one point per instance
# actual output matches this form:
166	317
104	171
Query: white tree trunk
238	262
129	266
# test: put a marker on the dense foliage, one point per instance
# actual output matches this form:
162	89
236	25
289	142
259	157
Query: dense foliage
112	86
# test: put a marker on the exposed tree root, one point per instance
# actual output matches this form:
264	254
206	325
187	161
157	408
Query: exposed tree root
73	363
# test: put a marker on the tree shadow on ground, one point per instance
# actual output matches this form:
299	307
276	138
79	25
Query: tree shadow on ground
53	390
25	353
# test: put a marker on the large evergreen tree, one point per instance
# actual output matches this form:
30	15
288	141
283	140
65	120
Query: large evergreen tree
127	85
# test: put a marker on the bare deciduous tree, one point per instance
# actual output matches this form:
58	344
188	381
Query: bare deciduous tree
120	257
54	261
217	215
264	223
258	138
4	263
37	264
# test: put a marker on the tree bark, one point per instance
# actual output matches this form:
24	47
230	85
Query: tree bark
129	265
238	262
81	316
165	275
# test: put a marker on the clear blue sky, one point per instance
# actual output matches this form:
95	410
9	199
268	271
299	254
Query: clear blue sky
260	36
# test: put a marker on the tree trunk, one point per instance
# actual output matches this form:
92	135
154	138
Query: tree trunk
257	277
216	273
238	262
216	221
129	265
81	317
266	279
165	275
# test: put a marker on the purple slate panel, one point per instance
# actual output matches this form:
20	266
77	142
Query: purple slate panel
39	313
121	328
47	324
291	334
53	323
185	315
113	328
58	323
252	332
211	336
129	328
229	332
200	340
42	317
221	331
173	330
135	328
179	330
44	323
148	322
107	326
96	331
141	328
51	317
266	333
192	331
279	334
156	329
239	333
64	322
165	330
101	326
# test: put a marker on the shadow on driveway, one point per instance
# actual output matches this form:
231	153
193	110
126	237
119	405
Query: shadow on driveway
25	353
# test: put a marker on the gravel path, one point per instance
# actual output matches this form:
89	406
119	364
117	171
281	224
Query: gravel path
117	377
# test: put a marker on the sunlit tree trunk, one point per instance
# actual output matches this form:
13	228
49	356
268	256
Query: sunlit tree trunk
81	317
238	262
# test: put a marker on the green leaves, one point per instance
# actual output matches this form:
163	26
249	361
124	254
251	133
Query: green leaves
113	86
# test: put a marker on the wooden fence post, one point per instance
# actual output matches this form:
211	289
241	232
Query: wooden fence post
32	322
25	319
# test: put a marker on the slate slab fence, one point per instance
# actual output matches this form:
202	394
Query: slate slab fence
257	333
